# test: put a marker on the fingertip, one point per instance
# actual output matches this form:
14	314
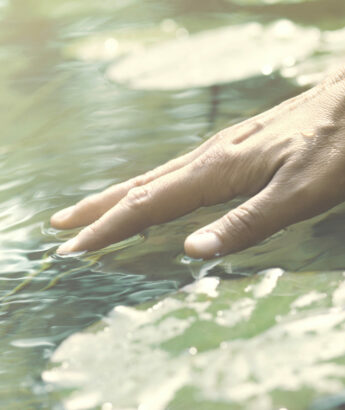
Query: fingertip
205	245
59	219
68	247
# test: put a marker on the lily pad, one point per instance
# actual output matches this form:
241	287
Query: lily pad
216	56
331	53
111	45
275	338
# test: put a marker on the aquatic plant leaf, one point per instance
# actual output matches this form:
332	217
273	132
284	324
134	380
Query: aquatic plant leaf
331	53
216	56
261	339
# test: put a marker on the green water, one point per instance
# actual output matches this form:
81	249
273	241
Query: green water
84	106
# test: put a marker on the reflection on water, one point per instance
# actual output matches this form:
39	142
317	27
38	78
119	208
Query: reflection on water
68	131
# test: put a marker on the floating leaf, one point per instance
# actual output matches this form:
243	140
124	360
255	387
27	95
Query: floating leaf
273	338
216	56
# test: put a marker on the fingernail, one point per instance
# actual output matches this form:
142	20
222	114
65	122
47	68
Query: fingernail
63	214
204	245
68	247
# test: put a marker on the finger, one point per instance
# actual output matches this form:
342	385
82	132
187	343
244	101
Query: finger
264	214
93	207
162	200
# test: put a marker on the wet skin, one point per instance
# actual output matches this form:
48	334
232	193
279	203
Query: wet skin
289	162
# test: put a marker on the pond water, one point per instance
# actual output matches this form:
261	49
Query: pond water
97	92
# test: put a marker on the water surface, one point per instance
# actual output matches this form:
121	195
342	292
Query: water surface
69	130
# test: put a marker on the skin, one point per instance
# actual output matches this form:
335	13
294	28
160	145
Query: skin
289	162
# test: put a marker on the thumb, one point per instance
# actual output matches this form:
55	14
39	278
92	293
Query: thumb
254	220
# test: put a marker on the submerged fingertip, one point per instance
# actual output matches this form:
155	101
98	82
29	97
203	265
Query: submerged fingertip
204	245
68	247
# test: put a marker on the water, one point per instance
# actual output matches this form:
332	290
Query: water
253	340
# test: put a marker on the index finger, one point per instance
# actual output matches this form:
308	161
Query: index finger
93	207
161	200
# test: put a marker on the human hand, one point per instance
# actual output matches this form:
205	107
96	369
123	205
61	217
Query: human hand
289	161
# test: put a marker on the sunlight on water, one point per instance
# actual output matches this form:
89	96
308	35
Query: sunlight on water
94	93
197	345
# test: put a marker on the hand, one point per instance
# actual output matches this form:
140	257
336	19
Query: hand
289	161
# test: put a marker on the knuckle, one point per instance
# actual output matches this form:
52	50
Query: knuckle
212	158
143	179
214	170
138	197
219	136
